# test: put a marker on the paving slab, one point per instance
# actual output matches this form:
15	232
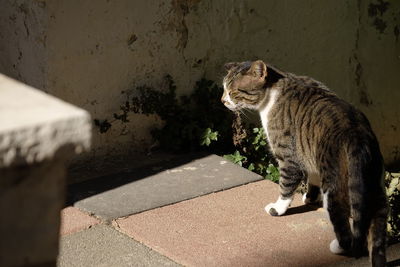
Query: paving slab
73	220
231	228
102	245
166	186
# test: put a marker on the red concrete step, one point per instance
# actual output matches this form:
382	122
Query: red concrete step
231	228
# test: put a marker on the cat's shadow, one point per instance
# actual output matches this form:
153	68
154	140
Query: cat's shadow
301	209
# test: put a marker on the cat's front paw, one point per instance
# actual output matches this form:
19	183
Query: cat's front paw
271	209
278	208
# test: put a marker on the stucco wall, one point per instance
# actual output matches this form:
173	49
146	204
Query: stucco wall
94	54
23	26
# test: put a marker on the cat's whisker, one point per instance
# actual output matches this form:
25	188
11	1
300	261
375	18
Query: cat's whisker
244	114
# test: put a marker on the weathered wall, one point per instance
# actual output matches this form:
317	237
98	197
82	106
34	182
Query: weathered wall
96	54
23	26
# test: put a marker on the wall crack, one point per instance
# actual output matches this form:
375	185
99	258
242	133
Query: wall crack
359	71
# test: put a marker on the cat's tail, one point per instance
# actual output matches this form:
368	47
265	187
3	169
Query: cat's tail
367	200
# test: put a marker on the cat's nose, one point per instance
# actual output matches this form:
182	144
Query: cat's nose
225	103
223	99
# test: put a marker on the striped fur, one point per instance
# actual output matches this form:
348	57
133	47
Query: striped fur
319	138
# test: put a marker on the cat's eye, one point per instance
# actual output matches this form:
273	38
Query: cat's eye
247	92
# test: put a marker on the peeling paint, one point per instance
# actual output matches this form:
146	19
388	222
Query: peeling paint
362	88
180	9
358	69
131	40
23	9
381	7
376	11
380	25
177	22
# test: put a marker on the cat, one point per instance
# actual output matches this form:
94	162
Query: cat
319	138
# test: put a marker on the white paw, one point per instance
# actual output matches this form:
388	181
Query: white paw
270	208
335	248
279	207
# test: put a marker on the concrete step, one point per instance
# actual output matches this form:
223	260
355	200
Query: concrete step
159	185
225	228
231	228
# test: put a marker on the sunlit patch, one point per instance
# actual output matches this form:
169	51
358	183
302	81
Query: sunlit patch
190	168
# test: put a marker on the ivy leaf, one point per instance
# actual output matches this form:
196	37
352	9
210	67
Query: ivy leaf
208	136
272	173
394	183
206	141
251	167
236	158
213	136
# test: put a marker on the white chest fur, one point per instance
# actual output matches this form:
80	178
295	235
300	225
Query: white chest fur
264	111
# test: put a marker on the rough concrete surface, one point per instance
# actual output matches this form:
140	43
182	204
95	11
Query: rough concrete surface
35	126
103	246
231	228
199	177
73	220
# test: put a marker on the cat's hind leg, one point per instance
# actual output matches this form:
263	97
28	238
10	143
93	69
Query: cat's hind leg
313	195
378	235
339	213
290	178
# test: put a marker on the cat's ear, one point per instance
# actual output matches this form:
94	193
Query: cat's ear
230	65
258	69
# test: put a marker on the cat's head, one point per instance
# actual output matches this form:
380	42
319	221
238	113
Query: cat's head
244	85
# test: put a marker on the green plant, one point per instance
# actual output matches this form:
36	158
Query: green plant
208	136
273	173
196	120
200	122
191	122
392	182
252	153
236	158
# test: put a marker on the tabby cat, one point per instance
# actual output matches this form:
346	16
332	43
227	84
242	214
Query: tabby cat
317	137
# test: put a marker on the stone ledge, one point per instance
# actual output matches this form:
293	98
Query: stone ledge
38	134
35	125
